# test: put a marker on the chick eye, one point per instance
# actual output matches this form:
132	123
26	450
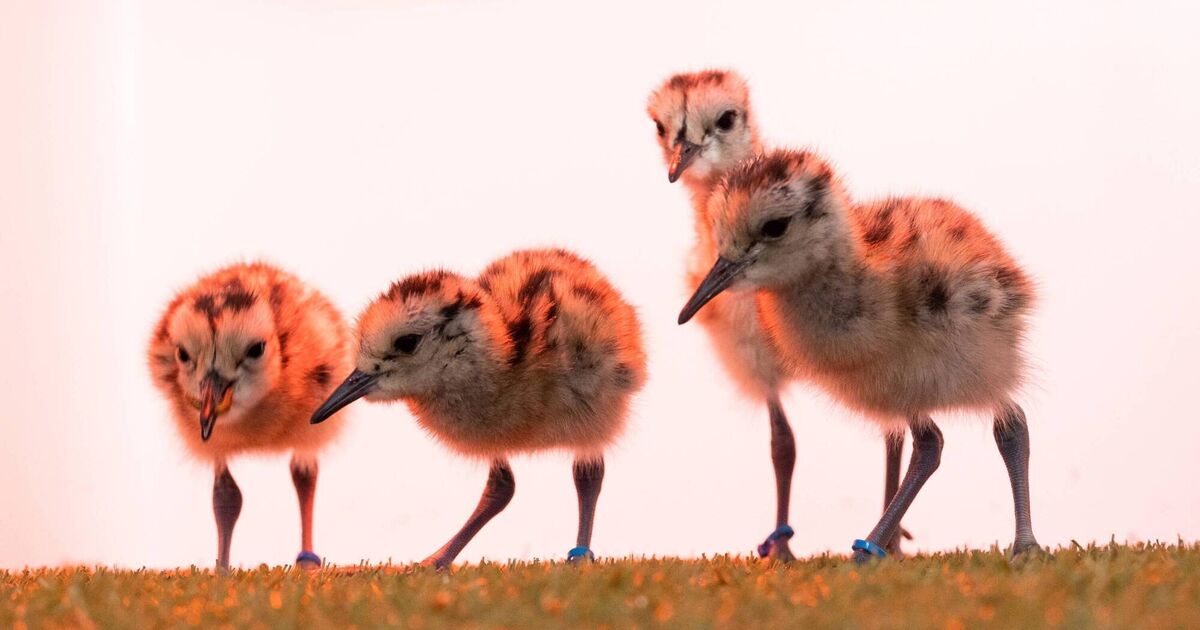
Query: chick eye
775	228
256	350
406	344
182	355
725	122
662	131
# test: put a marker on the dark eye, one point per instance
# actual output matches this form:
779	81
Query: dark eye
406	344
256	351
775	228
662	131
725	122
182	355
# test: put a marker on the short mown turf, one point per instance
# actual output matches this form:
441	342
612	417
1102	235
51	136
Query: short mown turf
1115	586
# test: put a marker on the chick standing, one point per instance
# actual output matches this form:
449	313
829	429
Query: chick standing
705	128
539	352
899	308
243	357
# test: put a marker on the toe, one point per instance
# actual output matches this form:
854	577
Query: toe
862	557
780	552
433	562
1027	550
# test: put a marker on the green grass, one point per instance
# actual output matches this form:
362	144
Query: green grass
1116	586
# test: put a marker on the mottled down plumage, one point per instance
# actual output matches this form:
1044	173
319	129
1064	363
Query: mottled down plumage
686	107
898	307
306	346
243	357
706	127
538	352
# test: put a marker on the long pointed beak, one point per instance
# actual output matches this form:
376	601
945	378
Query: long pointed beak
681	158
216	397
723	273
357	385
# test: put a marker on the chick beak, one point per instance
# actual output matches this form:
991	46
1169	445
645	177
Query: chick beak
681	158
216	397
357	385
723	273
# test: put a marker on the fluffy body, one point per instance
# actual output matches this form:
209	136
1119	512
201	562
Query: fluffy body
705	129
686	106
306	346
899	307
538	352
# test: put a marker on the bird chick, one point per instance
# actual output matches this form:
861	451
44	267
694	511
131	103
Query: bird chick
243	357
898	308
706	128
704	125
539	352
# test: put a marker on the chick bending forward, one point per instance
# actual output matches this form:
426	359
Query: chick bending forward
899	308
244	356
539	352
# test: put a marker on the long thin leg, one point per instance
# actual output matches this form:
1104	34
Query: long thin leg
589	476
304	477
227	505
783	456
1012	437
927	454
499	491
894	445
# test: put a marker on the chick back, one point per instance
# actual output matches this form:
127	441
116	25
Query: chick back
576	346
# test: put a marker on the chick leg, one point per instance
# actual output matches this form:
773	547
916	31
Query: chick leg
496	494
1012	438
589	476
227	505
783	456
894	445
927	454
304	477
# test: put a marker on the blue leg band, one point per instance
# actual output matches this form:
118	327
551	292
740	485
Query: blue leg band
869	547
308	556
580	552
783	532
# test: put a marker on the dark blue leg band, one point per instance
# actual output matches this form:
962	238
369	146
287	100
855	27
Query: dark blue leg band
869	547
783	532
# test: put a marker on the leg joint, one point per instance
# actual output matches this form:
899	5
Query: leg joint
501	484
927	442
783	441
226	493
588	470
1010	427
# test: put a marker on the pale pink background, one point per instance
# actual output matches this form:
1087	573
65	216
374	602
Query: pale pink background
353	142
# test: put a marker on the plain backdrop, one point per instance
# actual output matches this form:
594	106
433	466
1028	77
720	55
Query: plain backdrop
354	142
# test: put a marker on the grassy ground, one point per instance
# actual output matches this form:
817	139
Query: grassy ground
1143	586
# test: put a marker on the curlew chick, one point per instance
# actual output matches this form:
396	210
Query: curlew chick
539	352
898	308
243	357
705	128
